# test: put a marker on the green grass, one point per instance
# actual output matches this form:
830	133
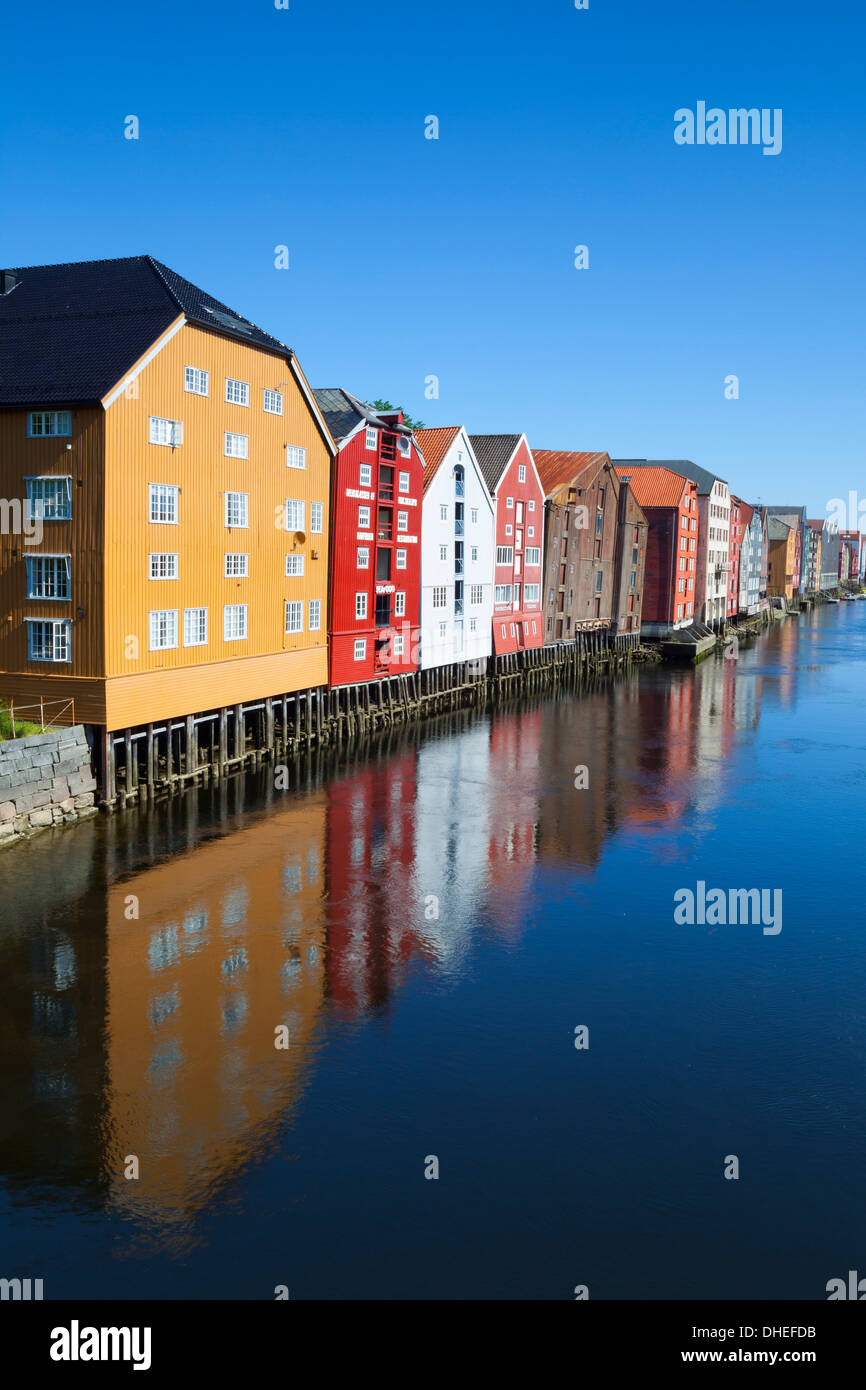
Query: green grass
23	727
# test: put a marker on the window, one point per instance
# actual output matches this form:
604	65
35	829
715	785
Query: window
397	645
504	555
363	518
402	521
294	615
694	523
294	566
401	560
502	593
684	523
404	483
440	596
163	567
48	576
443	512
476	593
237	566
195	627
599	577
512	629
168	432
366	474
360	648
48	641
237	509
295	456
473	514
163	503
316	514
400	603
237	392
315	614
530	530
163	629
363	557
531	504
509	530
517	595
196	381
473	551
532	555
473	624
521	472
294	514
531	593
360	605
509	503
679	610
234	622
273	402
237	445
443	629
50	498
44	424
634	555
681	586
371	439
682	562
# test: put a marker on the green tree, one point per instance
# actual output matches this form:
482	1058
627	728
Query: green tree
386	407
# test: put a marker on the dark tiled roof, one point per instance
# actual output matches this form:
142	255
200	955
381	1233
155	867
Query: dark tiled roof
343	412
686	469
69	333
494	453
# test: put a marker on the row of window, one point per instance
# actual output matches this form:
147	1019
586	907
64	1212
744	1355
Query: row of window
510	593
684	521
371	443
166	566
197	381
366	478
235	446
505	555
364	519
440	595
399	604
163	623
164	499
363	558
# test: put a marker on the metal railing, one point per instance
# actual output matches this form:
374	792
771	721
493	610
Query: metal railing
18	712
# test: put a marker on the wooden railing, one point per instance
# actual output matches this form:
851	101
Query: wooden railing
45	719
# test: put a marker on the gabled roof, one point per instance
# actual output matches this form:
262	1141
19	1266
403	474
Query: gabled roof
68	333
434	445
344	412
652	484
778	530
746	512
494	452
558	468
686	469
817	525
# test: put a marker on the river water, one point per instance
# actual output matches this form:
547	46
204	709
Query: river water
426	924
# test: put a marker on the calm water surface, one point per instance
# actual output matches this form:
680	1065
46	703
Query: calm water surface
146	962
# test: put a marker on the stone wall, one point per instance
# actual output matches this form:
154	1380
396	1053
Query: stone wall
44	780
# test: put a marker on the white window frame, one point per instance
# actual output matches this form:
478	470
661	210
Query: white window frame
234	608
402	521
507	554
403	482
317	518
371	439
314	616
194	638
363	518
360	604
400	603
245	511
237	446
400	561
360	651
295	611
59	422
521	472
298	509
440	596
296	456
231	572
294	566
167	613
194	378
158	556
237	392
362	558
161	425
159	492
272	401
365	477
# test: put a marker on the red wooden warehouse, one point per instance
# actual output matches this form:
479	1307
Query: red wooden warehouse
376	499
670	504
512	479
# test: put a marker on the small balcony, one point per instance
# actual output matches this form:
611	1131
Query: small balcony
458	564
386	492
458	527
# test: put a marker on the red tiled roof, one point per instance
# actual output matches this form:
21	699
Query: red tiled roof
434	445
746	512
816	525
556	467
654	486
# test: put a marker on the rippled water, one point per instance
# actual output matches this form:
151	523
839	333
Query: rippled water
430	921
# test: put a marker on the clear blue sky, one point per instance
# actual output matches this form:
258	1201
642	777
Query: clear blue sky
454	257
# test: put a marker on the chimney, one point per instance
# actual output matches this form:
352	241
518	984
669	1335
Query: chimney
8	281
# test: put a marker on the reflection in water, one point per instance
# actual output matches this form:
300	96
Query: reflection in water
149	961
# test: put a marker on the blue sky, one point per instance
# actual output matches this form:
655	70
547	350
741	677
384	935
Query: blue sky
412	257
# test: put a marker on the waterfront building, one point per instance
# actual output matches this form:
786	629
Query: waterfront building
713	550
795	517
831	545
751	560
594	547
735	542
376	555
849	556
783	552
669	504
457	551
508	469
814	535
174	463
